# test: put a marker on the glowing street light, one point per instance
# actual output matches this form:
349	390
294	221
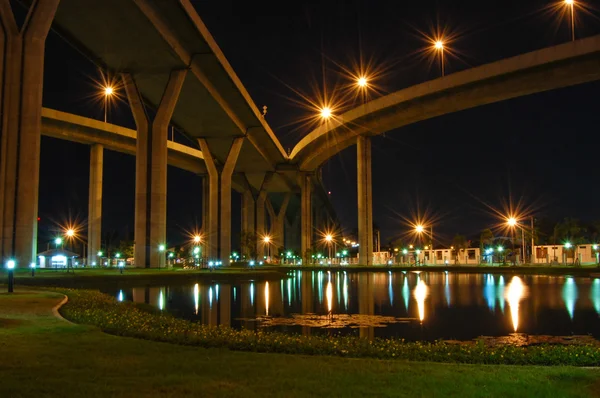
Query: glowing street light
326	113
70	233
108	92
267	240
161	248
197	239
10	265
57	242
419	229
511	221
571	5
439	46
362	82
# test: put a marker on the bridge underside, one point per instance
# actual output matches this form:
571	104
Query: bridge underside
547	69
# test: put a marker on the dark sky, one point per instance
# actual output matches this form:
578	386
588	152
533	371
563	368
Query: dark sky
540	150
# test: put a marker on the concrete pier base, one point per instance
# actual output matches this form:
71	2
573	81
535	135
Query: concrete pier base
365	201
306	226
151	170
22	74
219	201
95	205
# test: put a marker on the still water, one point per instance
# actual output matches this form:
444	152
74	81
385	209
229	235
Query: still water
411	305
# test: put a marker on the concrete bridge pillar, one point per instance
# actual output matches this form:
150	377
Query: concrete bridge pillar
278	222
21	83
151	170
306	226
95	204
261	230
365	201
248	209
218	233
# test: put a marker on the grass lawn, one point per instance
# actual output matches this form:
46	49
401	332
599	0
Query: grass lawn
94	277
44	356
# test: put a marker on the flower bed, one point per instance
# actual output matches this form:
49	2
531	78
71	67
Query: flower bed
129	319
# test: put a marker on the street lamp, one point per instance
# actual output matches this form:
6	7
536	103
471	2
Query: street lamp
362	82
10	265
267	240
108	92
512	222
197	239
439	46
571	5
325	113
58	241
329	240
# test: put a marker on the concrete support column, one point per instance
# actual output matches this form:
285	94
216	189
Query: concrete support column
278	221
248	214
151	170
22	71
306	227
219	201
261	230
205	216
365	201
95	204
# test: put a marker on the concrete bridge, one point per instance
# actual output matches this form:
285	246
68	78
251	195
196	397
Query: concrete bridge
174	74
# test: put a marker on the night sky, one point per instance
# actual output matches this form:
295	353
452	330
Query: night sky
539	150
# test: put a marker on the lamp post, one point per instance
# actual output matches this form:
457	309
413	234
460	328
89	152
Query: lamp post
108	91
329	240
161	249
267	240
439	46
571	5
10	265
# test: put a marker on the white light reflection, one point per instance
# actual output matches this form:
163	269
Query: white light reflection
500	292
514	294
489	292
234	294
289	292
267	298
217	292
161	300
252	293
405	293
345	289
420	294
196	297
210	294
570	295
121	296
447	288
329	295
595	294
390	289
320	286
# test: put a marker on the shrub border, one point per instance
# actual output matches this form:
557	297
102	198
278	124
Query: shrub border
133	320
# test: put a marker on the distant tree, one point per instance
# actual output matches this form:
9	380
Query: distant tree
569	230
486	238
459	242
125	248
248	245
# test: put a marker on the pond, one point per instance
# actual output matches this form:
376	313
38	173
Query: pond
409	305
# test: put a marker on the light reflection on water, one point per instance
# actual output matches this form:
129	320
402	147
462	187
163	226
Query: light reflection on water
423	306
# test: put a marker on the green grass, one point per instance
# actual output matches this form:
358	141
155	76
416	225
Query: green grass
44	356
95	277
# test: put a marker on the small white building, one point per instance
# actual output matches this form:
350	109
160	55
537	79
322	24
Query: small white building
470	256
586	253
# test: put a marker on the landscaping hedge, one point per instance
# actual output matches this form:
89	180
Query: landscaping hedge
129	319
